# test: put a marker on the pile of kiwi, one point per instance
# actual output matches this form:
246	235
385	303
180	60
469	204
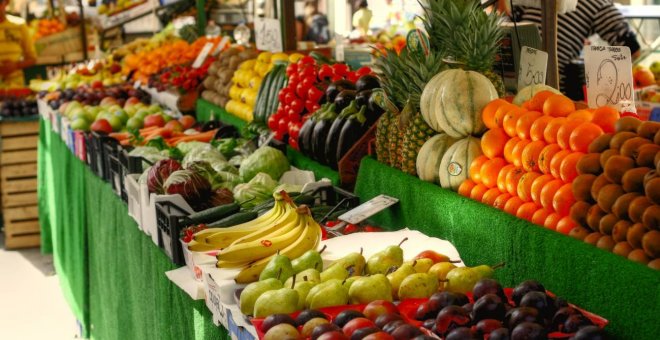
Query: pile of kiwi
618	192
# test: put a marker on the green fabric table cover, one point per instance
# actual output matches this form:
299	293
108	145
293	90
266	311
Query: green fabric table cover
111	273
208	111
303	162
624	292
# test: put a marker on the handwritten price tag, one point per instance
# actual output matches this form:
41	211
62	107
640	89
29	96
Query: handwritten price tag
533	66
608	71
268	34
213	301
202	55
368	209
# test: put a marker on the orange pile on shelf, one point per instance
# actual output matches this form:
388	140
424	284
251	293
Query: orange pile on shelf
530	157
46	27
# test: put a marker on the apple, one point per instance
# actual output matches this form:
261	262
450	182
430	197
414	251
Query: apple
187	121
335	335
154	108
101	126
122	115
378	336
116	123
154	120
142	113
643	77
80	124
377	308
107	101
166	117
131	101
433	256
134	123
174	126
355	324
97	84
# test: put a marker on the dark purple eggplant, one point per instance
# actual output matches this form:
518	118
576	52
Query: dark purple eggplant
332	141
362	98
320	133
305	135
336	87
367	82
351	132
344	99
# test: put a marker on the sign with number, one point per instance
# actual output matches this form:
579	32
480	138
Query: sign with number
202	55
213	301
221	45
533	67
608	71
368	209
268	34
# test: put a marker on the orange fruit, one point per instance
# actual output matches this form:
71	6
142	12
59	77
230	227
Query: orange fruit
545	157
478	192
555	163
530	155
605	117
550	132
493	141
563	199
466	188
475	168
537	128
568	168
490	170
539	216
516	153
524	124
510	121
490	196
552	220
583	135
501	177
527	210
585	115
508	148
501	111
512	180
512	205
536	103
565	225
501	200
525	185
564	133
488	113
537	186
548	192
558	105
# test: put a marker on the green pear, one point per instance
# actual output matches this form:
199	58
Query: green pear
303	288
331	294
355	260
280	301
279	267
370	288
463	279
440	271
382	261
418	286
349	281
252	291
335	272
398	275
422	265
309	260
317	288
311	275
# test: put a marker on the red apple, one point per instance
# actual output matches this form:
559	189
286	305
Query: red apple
643	77
187	121
336	335
102	126
356	324
378	336
154	120
107	101
174	126
379	307
97	84
131	101
433	256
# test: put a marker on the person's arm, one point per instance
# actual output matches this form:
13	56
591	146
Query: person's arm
613	28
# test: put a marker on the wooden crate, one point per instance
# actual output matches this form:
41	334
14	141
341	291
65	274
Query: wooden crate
18	183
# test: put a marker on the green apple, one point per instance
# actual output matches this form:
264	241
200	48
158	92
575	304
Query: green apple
166	117
134	123
154	108
75	112
114	107
142	113
80	124
122	115
116	123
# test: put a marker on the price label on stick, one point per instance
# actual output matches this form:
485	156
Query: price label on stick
268	34
202	55
533	66
221	46
608	71
368	209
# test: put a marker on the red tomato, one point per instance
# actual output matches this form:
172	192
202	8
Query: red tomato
308	72
273	122
311	106
279	135
364	70
352	77
282	94
314	94
294	144
340	69
301	91
291	69
292	116
294	130
297	106
326	72
306	117
307	60
283	124
289	97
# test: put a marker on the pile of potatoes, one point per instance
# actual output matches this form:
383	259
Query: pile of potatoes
219	80
618	192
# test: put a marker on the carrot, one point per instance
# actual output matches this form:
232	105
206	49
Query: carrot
200	137
149	130
120	135
125	142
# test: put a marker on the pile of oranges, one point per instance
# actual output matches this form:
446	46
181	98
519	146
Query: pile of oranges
530	153
46	27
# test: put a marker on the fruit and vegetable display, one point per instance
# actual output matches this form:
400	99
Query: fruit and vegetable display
45	27
218	82
95	74
14	107
181	78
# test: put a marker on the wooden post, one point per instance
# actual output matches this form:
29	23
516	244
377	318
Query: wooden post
549	28
288	23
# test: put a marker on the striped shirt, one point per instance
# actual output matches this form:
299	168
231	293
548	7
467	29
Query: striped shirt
573	28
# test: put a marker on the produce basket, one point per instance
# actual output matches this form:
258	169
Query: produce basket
133	197
168	215
99	150
128	165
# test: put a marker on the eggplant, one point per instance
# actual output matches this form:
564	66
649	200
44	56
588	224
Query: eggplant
351	132
336	87
367	82
320	133
362	98
305	135
331	142
344	99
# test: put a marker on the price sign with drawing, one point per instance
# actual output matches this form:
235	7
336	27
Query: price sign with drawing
202	55
608	71
268	34
533	66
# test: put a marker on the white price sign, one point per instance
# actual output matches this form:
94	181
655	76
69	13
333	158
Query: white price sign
221	46
368	209
268	34
533	66
213	300
608	71
202	55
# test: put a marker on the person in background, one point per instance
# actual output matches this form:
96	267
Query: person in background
317	24
362	18
16	49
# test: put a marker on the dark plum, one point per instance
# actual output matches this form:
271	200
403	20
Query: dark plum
276	319
451	317
524	288
486	326
529	331
488	286
590	333
539	301
561	316
405	332
362	332
324	328
391	326
309	314
384	319
489	306
519	315
461	333
575	322
345	316
499	334
443	299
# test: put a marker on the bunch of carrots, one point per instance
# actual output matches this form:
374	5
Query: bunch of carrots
171	138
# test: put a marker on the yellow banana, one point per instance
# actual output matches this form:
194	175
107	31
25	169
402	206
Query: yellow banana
310	239
202	234
275	229
228	264
200	246
226	236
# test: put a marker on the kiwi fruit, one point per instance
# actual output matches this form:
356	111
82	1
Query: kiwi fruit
631	147
622	249
594	215
637	208
592	238
633	179
649	176
607	223
621	205
582	185
579	233
652	189
589	164
578	212
616	166
620	230
656	161
619	138
638	255
627	124
655	264
651	217
651	244
646	155
598	183
608	195
635	233
601	143
605	242
648	129
606	156
656	139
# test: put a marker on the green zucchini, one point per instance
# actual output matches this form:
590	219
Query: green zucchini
278	83
305	199
262	95
238	218
213	214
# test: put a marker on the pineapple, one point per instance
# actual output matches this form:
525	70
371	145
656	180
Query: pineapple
382	137
417	134
393	149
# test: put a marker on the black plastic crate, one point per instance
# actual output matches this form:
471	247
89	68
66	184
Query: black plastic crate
168	219
128	165
336	197
99	150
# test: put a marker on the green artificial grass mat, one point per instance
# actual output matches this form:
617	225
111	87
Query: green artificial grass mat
624	292
208	111
300	161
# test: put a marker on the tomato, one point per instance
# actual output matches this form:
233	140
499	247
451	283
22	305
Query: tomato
294	130
289	98
340	69
351	228
294	145
307	60
301	91
297	106
292	116
273	121
352	77
291	69
280	110
282	94
283	124
336	77
293	81
326	72
314	94
306	117
311	106
308	72
279	135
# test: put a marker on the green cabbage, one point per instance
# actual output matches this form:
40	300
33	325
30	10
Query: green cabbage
187	147
267	160
256	191
203	154
289	188
149	153
223	166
